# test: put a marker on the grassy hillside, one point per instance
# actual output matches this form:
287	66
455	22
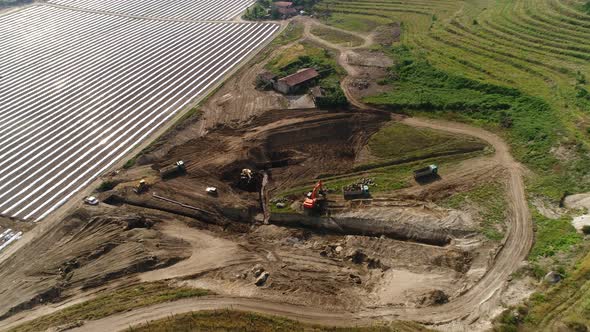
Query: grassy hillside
520	68
538	48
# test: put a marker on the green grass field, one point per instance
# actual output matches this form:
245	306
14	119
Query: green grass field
489	201
518	67
231	320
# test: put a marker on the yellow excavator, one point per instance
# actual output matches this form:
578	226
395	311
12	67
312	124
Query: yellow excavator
141	187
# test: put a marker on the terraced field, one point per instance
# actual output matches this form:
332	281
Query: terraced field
539	46
177	9
79	90
520	67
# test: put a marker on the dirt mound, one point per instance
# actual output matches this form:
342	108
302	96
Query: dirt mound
85	251
366	58
387	34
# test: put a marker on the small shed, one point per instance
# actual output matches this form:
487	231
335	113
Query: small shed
289	84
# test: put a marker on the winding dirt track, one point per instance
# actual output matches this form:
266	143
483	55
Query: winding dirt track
465	310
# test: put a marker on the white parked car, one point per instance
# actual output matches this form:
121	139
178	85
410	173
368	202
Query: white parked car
91	200
211	191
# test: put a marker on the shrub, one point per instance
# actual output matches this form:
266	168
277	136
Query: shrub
106	186
586	229
333	97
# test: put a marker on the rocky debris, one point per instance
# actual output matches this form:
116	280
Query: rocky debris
355	278
434	297
68	267
360	84
388	34
359	184
332	250
455	259
138	222
375	263
552	277
262	278
257	270
577	201
280	200
357	256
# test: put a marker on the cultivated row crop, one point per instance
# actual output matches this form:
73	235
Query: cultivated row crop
79	90
180	9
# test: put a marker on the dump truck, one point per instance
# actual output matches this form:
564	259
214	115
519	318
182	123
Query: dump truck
356	191
173	170
430	170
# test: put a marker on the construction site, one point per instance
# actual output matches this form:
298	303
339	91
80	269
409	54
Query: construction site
298	210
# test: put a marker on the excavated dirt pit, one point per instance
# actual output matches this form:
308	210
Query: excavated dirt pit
177	231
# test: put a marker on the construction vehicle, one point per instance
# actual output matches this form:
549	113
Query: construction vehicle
250	180
431	170
173	170
316	199
212	191
356	191
141	187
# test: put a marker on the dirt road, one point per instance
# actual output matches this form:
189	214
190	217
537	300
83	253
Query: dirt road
122	321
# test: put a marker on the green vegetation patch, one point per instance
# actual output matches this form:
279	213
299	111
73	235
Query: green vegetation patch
292	32
259	11
353	22
529	121
230	320
489	200
397	140
112	302
386	178
552	235
530	125
305	55
566	304
336	37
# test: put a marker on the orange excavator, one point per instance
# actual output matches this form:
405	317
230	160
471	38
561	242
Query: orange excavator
315	199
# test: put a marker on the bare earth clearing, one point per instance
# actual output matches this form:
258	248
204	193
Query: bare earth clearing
427	264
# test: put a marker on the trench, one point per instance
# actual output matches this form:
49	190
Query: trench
363	227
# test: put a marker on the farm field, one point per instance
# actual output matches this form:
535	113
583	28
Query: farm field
189	10
79	90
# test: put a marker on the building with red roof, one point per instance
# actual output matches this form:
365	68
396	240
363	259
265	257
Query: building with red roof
289	84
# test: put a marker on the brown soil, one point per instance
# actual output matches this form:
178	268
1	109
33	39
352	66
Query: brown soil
316	274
